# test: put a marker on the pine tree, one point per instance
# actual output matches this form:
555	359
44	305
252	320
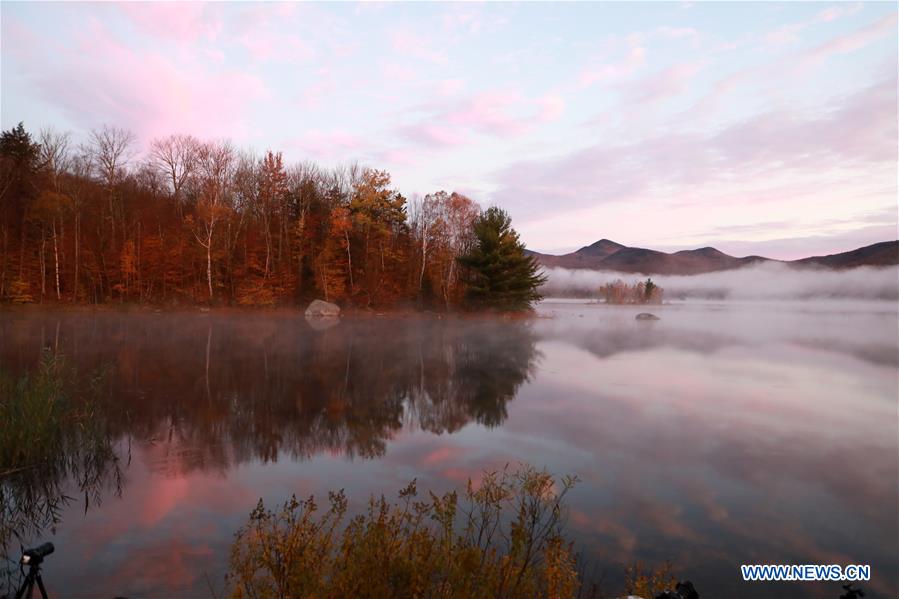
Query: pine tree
498	274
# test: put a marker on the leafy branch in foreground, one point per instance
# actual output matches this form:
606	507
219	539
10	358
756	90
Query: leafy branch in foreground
503	538
54	439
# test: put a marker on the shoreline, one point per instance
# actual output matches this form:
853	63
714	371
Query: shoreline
345	313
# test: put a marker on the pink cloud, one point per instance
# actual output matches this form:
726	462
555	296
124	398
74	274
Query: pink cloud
264	46
433	134
179	21
551	107
668	82
495	113
789	34
396	157
331	144
853	41
835	12
488	112
858	129
104	80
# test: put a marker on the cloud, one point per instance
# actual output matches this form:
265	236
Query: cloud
103	80
269	45
767	281
677	32
551	107
670	81
789	34
181	22
853	41
857	129
493	113
434	135
334	144
628	65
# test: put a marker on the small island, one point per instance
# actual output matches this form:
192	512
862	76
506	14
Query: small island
619	292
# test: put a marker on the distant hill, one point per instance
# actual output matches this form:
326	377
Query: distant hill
609	255
879	254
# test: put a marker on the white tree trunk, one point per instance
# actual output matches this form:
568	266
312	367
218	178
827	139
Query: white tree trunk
209	264
56	260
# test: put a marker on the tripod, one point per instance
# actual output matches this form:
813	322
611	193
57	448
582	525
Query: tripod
27	588
33	558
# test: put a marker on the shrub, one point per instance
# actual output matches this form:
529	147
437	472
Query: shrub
504	539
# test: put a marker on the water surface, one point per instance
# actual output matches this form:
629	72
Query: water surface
726	433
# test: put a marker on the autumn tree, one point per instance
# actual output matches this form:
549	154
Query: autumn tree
176	156
272	189
458	216
54	160
307	211
215	165
499	274
441	226
111	149
78	188
192	220
379	221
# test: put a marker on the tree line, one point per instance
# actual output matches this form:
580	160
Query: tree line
203	221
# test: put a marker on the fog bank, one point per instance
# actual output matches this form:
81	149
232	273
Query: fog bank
766	281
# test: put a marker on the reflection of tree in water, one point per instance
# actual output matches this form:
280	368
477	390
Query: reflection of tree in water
54	450
206	392
472	374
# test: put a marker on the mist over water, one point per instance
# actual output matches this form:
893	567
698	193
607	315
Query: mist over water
727	432
766	281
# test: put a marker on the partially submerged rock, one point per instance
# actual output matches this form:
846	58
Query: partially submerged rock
646	316
322	323
322	309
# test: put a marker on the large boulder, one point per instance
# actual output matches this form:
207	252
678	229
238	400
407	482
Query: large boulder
322	309
646	316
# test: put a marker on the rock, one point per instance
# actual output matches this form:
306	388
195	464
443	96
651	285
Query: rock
322	323
646	316
322	309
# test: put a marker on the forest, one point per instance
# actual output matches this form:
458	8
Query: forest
192	221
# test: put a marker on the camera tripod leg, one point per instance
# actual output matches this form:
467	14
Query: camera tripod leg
27	585
27	588
40	585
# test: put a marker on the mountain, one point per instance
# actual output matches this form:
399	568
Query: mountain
879	254
609	255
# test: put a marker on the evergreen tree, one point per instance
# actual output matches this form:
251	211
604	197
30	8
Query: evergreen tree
649	291
18	164
498	274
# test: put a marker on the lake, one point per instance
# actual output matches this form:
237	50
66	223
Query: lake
725	433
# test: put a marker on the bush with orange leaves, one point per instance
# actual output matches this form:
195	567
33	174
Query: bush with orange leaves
503	539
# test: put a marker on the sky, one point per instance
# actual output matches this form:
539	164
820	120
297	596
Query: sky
758	128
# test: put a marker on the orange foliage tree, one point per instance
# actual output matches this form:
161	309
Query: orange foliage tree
195	221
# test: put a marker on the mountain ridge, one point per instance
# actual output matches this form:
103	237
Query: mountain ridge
606	254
